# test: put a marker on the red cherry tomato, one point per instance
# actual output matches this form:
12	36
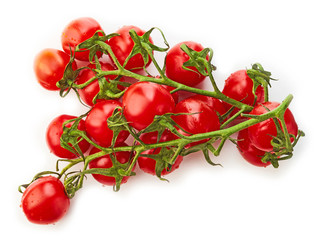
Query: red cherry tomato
174	61
106	162
122	46
148	164
214	103
96	123
88	93
45	201
54	132
142	101
49	67
203	120
250	153
239	86
261	134
76	32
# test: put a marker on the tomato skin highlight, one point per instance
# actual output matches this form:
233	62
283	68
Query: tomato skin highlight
96	123
45	201
142	101
148	164
174	61
261	134
54	132
88	93
122	46
49	67
203	119
248	151
106	162
239	86
76	32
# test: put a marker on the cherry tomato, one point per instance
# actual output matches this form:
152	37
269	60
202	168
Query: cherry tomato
49	67
45	201
106	162
214	103
148	164
96	123
76	32
142	101
203	119
122	46
54	132
88	93
261	134
250	153
174	61
239	86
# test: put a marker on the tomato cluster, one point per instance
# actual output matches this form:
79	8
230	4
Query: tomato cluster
137	119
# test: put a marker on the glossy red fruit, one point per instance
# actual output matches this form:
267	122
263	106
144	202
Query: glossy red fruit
122	46
248	151
214	103
76	32
239	86
201	118
45	201
96	123
261	134
174	62
142	101
49	67
54	132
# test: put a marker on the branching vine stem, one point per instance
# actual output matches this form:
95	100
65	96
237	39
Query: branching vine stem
74	180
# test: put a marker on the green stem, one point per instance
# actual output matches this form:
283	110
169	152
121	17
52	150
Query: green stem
222	134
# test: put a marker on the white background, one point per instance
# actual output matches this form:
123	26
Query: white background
238	201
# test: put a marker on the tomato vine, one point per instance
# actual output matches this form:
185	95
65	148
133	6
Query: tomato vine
182	142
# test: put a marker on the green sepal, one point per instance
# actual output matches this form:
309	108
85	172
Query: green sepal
162	160
260	77
108	87
117	123
69	77
71	136
198	60
92	45
143	46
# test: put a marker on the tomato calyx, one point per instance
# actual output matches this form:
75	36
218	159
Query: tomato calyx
164	160
200	60
69	77
108	89
260	77
92	44
72	136
144	47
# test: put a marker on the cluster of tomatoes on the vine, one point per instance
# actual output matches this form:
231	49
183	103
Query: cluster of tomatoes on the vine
112	97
